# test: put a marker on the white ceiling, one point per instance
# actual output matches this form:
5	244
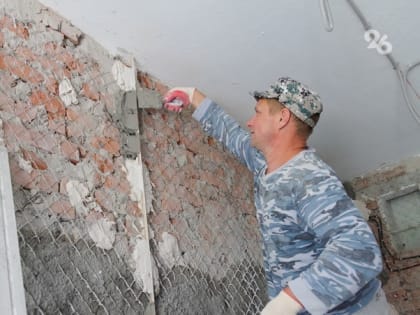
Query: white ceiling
229	48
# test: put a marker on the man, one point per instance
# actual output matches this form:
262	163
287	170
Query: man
320	256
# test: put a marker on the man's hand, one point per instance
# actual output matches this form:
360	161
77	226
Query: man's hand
178	98
282	304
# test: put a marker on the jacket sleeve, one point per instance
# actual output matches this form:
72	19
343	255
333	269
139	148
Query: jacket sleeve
221	126
351	257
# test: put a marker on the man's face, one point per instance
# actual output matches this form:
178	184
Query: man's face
263	125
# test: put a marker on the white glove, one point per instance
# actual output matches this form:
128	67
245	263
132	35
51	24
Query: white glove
282	304
178	98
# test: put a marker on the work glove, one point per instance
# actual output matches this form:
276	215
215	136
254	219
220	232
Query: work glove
178	98
282	304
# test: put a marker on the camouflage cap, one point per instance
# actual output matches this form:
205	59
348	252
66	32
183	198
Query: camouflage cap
298	98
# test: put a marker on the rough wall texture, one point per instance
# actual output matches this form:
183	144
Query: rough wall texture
80	228
78	225
401	276
204	212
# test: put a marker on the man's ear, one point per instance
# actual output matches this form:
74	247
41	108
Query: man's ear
284	117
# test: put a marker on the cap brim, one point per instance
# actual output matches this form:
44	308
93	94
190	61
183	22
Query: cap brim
259	95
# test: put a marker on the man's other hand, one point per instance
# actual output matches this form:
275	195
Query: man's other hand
282	304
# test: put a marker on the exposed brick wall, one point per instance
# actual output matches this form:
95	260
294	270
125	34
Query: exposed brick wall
401	277
58	140
53	146
204	198
190	171
66	146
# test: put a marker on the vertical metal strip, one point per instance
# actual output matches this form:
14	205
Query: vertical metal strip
12	294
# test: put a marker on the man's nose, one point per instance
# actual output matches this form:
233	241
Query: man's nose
250	122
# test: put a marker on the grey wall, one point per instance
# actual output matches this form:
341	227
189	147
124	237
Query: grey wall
232	47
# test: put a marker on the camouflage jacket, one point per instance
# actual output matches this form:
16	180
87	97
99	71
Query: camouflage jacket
314	239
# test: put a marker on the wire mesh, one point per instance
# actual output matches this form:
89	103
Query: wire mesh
75	256
202	199
77	225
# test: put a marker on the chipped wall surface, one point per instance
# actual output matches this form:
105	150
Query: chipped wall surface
401	275
83	192
206	237
80	216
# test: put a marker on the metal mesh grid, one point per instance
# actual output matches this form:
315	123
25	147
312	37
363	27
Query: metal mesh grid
215	267
65	269
203	200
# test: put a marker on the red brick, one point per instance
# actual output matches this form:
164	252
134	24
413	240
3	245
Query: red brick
26	53
47	182
171	204
16	134
133	209
161	218
50	47
22	177
48	63
104	165
90	92
20	69
72	115
104	200
69	60
111	182
98	179
57	125
63	209
70	151
38	97
84	124
179	225
52	86
25	112
45	141
6	21
36	161
161	88
111	131
113	147
145	80
21	30
16	27
110	145
55	108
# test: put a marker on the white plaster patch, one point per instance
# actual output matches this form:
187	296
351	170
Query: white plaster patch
141	258
67	92
50	19
102	233
24	164
125	76
77	195
134	172
169	250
